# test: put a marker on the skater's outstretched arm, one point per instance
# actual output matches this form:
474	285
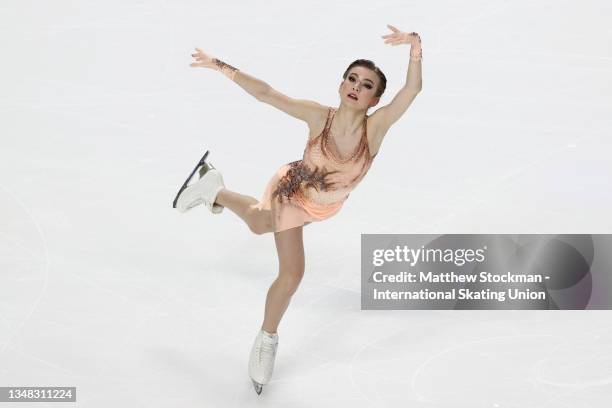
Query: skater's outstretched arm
389	114
308	111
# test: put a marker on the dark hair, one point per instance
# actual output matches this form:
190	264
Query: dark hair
370	65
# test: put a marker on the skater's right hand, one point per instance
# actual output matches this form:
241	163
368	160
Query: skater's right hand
203	60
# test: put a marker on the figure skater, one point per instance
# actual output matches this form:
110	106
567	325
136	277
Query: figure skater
340	149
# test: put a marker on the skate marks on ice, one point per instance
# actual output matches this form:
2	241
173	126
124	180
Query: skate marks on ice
485	362
24	261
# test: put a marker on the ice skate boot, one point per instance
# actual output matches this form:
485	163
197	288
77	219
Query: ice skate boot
204	191
216	208
261	361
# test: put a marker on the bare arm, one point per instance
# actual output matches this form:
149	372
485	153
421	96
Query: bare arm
389	114
302	109
305	110
252	85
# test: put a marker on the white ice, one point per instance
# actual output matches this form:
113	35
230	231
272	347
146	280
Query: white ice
105	287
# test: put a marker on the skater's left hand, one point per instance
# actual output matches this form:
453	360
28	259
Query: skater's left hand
398	37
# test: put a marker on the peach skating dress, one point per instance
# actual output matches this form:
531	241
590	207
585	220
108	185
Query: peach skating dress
315	188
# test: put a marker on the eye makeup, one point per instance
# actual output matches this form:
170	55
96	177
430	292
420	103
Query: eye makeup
352	79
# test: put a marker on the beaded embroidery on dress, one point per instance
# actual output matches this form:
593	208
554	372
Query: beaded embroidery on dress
315	187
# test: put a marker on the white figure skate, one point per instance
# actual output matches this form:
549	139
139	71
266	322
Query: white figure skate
204	190
261	361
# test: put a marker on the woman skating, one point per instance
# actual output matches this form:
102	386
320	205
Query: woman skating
339	152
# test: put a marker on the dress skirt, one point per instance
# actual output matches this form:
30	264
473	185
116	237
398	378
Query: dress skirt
296	211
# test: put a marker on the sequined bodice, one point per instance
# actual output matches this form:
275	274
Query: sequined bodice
322	177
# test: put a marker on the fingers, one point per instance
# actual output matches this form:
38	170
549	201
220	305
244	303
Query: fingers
393	38
200	52
398	37
199	57
392	28
397	31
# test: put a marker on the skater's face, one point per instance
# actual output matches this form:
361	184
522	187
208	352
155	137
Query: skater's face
363	83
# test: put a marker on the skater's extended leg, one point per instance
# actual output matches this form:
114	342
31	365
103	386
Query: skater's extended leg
258	221
290	248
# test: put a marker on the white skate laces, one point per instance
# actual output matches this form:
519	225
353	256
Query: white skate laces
216	208
267	351
261	363
203	191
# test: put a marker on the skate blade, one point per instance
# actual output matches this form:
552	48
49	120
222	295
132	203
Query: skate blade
258	387
200	163
204	169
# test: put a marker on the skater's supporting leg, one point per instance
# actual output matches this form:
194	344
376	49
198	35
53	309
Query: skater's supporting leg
242	205
290	248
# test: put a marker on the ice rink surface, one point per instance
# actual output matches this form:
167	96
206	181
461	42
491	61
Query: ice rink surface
105	287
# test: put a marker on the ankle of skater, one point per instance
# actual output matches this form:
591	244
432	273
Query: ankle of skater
269	330
220	196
